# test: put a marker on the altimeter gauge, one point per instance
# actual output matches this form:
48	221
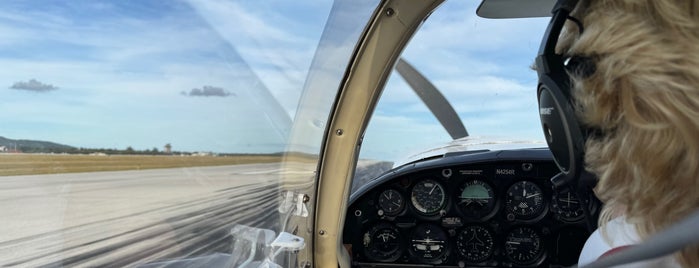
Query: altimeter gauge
525	200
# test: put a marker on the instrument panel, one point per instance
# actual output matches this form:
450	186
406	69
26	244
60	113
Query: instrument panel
483	211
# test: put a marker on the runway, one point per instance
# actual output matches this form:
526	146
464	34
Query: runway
127	218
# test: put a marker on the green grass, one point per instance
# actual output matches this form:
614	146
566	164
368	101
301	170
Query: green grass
29	164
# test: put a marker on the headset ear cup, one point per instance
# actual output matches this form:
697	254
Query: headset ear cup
561	128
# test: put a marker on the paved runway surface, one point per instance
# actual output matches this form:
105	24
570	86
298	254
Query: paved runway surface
124	218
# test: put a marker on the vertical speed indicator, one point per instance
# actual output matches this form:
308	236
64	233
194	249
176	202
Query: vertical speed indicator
523	246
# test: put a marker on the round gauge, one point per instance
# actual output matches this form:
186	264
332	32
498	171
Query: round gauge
567	205
391	202
523	246
428	197
428	243
475	243
525	200
477	199
383	243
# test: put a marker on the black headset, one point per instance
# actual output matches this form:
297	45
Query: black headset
564	134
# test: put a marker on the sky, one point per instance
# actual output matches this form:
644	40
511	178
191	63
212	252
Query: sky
226	76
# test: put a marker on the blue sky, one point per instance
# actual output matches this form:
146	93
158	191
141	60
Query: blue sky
202	75
482	67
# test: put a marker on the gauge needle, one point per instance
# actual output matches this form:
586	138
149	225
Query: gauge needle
568	200
512	242
433	187
532	195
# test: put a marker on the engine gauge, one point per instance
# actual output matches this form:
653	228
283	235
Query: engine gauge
523	246
383	243
391	202
476	200
525	200
475	243
428	244
428	197
568	206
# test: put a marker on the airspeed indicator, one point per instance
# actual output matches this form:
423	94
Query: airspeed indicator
428	197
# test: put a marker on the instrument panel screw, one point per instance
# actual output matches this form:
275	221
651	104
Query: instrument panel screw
390	12
321	232
545	231
339	132
306	198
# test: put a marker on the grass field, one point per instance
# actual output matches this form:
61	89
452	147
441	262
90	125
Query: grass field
28	164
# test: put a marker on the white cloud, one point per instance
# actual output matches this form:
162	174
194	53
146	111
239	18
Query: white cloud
33	85
208	91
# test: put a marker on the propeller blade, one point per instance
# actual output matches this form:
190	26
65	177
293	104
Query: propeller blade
435	101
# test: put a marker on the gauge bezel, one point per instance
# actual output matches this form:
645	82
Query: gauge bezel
536	216
482	217
558	211
442	257
481	260
403	205
371	231
534	262
444	206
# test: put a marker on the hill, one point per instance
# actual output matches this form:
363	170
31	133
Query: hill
34	146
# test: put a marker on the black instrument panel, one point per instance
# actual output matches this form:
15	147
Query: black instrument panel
477	210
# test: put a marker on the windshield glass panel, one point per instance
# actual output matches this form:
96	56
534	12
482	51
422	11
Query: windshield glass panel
485	78
143	133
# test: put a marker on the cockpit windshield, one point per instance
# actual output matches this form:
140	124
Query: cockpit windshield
481	67
139	133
